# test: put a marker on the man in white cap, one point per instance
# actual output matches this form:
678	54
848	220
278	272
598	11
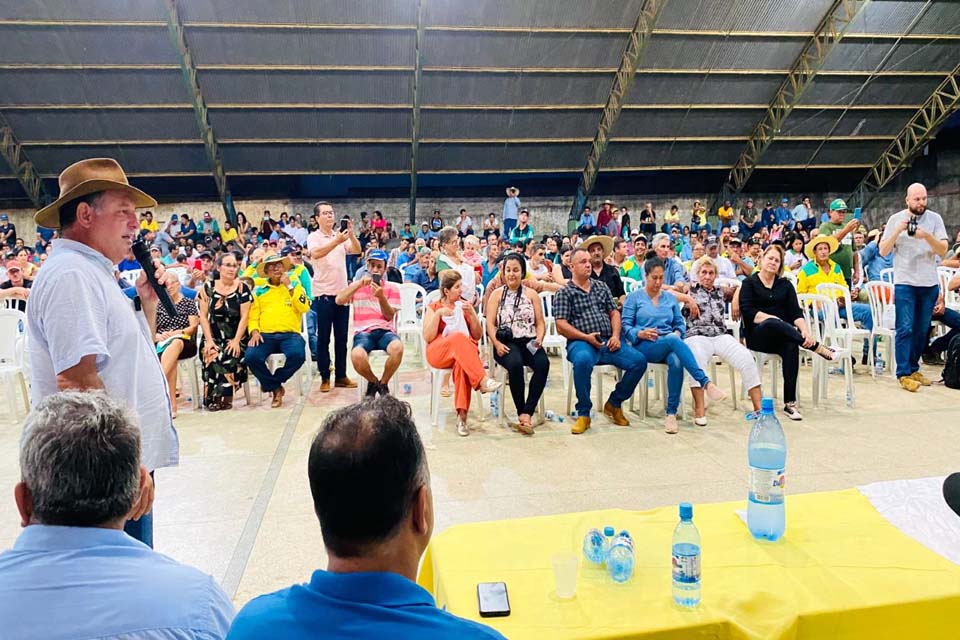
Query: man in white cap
84	333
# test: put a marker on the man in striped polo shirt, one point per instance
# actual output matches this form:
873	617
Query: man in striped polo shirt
375	303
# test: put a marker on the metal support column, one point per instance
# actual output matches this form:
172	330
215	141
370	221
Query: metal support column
415	128
638	39
20	164
925	123
189	69
810	61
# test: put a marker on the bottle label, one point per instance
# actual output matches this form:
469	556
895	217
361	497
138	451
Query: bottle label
686	568
766	485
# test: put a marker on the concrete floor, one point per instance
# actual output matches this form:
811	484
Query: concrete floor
239	507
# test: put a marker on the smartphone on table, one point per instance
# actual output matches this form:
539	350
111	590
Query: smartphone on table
493	599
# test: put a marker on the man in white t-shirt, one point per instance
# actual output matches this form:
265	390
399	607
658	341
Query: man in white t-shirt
917	238
464	224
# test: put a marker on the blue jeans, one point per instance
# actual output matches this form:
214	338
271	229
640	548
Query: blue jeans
312	332
141	529
914	307
584	357
331	317
674	352
952	319
508	225
861	314
289	344
694	227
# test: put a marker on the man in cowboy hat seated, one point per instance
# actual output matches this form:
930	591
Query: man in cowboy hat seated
275	326
820	270
599	248
375	304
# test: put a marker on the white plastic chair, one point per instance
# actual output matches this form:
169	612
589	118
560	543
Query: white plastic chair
733	326
659	371
305	375
432	297
630	284
880	295
552	339
394	381
597	385
886	275
951	299
409	322
815	307
12	345
500	374
835	332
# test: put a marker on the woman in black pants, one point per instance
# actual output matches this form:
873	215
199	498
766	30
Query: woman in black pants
516	327
773	322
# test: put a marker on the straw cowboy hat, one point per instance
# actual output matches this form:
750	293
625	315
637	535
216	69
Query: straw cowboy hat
262	267
605	241
86	177
830	240
514	189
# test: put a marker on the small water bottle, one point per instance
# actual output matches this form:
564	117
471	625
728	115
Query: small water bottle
495	402
594	546
620	559
767	454
879	365
549	415
686	559
849	398
407	389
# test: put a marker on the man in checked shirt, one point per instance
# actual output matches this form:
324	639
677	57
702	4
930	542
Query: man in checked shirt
587	316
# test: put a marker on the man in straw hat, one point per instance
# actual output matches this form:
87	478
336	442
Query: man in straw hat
599	248
84	332
275	326
511	210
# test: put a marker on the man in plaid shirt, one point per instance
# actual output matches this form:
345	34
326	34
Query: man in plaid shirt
587	317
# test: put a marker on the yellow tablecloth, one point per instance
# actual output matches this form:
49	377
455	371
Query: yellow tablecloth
841	571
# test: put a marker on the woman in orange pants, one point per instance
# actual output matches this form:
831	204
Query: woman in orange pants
452	328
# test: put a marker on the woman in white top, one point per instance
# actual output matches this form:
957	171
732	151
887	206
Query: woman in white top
450	258
794	258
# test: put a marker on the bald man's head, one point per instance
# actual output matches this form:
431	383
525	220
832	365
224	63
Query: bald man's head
916	198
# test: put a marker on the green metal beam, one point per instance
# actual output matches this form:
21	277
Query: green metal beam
415	128
810	61
637	41
20	164
919	130
189	69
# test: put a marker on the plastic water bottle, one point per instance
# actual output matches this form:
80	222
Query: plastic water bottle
595	547
879	365
407	389
767	453
620	559
549	415
608	536
495	402
686	559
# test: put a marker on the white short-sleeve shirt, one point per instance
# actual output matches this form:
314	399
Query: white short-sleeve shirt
77	309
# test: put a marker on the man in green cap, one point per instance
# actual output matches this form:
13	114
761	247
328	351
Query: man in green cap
845	257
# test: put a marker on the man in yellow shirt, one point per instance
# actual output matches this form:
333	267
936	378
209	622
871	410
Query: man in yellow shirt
147	223
275	326
726	214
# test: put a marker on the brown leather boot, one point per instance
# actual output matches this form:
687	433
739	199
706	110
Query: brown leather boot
616	415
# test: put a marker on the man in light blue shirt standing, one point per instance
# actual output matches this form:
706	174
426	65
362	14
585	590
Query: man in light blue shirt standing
371	492
511	210
73	574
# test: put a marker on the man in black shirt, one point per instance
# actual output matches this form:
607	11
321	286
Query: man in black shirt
8	232
600	247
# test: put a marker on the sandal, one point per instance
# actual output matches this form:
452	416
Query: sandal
824	351
445	392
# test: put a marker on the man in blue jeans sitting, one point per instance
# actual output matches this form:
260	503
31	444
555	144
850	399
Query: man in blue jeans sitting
587	316
275	326
916	237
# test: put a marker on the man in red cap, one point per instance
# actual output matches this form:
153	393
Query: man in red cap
16	288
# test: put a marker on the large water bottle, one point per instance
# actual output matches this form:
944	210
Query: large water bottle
595	546
767	453
620	559
686	559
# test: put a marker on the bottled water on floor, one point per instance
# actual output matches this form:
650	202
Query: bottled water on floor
594	547
620	558
495	402
767	454
686	559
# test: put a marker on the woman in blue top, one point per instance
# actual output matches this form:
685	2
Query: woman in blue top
653	324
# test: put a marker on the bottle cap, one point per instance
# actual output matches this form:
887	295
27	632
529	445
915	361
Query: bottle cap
686	511
608	531
766	405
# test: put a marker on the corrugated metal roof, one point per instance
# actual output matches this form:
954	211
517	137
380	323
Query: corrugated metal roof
85	45
115	124
512	50
315	158
743	15
535	13
310	123
285	87
515	88
300	11
86	10
91	86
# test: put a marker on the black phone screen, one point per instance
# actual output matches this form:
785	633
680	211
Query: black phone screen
343	225
377	279
493	600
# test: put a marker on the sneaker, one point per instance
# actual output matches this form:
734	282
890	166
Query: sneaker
383	390
345	383
372	389
489	385
581	425
908	383
792	412
462	428
701	421
615	414
715	393
919	377
670	425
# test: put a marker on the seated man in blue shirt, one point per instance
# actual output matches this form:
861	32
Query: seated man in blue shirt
423	272
371	492
73	572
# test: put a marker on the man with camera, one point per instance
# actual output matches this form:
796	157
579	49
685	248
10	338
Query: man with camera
375	303
917	238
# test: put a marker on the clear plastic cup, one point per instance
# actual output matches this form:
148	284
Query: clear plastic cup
565	574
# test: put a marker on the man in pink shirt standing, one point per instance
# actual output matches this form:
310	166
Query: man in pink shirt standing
375	303
328	249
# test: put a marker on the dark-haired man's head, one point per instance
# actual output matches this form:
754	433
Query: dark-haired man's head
371	488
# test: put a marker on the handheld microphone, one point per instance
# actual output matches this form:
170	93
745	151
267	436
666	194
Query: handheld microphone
142	254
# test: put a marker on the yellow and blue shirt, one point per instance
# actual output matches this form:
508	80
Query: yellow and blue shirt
810	275
276	309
